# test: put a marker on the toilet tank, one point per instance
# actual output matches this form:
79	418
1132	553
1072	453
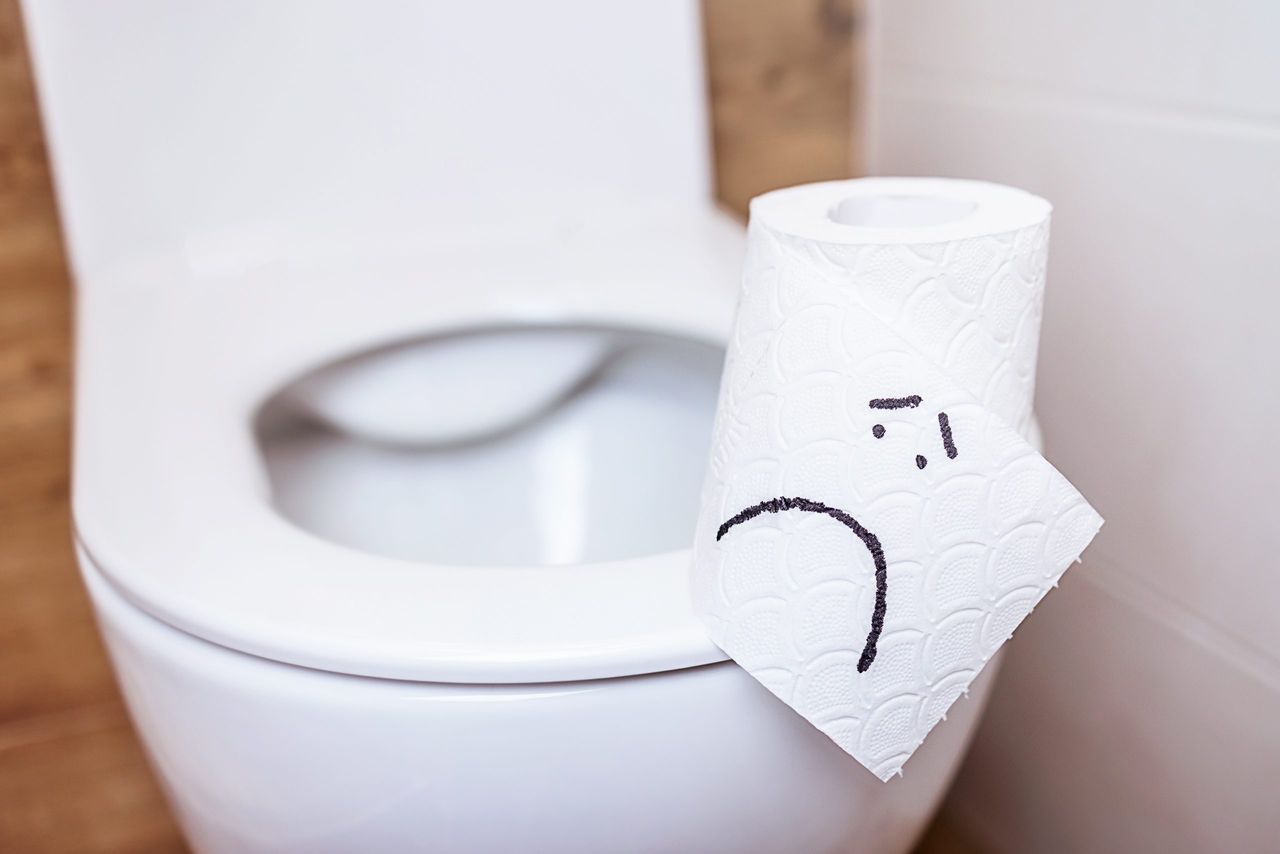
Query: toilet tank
203	128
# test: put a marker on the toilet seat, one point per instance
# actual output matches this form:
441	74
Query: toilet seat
171	505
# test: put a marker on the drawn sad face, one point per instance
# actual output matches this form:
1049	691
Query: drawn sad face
872	543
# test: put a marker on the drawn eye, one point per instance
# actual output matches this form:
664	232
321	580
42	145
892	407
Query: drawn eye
911	402
948	441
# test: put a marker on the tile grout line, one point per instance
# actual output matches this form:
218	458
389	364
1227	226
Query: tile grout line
980	91
1199	629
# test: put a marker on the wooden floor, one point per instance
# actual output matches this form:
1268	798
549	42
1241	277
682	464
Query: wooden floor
72	775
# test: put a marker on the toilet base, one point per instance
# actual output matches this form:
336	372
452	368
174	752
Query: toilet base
256	755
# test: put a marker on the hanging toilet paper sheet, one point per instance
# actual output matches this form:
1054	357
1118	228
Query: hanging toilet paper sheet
874	523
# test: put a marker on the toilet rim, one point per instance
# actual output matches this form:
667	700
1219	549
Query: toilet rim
171	504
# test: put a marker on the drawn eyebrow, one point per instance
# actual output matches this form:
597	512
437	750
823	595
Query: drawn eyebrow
777	505
910	402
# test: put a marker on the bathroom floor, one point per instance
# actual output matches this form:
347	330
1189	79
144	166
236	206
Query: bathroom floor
72	775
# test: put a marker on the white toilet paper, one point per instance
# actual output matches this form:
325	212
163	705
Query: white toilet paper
873	525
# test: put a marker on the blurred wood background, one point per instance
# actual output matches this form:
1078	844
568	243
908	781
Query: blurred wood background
780	74
73	777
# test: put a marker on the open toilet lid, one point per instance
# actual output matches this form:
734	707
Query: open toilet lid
172	506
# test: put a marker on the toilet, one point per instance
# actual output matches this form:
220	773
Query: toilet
398	342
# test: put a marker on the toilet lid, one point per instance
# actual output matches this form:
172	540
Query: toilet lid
171	501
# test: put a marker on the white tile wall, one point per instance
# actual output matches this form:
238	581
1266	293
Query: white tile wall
1141	709
1102	739
1217	57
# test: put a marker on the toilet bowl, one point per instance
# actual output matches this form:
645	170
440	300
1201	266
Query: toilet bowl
334	643
385	475
304	682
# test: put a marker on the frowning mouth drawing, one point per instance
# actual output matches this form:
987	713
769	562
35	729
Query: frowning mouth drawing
872	543
778	505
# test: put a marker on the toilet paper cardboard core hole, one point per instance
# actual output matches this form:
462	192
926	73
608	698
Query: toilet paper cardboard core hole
900	211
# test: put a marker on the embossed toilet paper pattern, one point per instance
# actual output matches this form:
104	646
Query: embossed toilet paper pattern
873	526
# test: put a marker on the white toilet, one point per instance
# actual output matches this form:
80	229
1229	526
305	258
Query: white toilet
399	329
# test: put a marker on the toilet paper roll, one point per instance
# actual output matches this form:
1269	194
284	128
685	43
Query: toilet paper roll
874	524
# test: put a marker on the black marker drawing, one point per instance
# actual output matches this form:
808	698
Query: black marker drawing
911	402
944	424
777	505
